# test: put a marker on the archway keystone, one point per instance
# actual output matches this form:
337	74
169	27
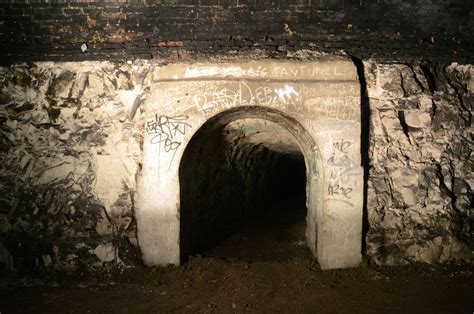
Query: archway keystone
318	102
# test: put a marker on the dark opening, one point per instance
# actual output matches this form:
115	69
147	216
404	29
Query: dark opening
243	193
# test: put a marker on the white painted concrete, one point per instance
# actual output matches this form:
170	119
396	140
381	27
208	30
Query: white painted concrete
319	104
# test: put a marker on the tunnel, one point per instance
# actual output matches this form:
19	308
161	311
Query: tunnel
243	193
218	139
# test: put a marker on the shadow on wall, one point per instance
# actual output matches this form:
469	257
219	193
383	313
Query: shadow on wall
249	171
364	145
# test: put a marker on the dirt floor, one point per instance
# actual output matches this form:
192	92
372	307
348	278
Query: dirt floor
264	268
222	286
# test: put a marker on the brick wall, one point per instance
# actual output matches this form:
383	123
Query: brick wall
437	30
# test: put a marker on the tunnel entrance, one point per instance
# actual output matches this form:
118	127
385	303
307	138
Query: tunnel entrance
243	193
206	168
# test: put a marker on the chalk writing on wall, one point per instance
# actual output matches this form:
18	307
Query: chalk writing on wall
312	71
209	98
280	72
233	71
338	108
286	92
334	89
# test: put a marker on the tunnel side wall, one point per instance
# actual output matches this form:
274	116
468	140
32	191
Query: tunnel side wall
70	156
421	166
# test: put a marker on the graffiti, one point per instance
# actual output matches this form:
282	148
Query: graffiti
313	71
283	72
339	200
339	157
339	182
341	146
212	100
165	130
234	71
329	89
337	189
265	96
340	170
285	93
209	98
257	72
289	71
339	108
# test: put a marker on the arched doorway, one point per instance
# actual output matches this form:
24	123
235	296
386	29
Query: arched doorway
244	173
317	102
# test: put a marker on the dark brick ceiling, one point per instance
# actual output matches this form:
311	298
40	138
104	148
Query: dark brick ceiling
436	30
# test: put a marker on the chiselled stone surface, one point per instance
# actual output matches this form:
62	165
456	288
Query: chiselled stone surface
68	162
421	174
71	149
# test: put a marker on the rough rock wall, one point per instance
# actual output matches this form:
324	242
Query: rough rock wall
69	154
68	159
420	202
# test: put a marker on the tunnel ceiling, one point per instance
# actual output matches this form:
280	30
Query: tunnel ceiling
180	29
261	132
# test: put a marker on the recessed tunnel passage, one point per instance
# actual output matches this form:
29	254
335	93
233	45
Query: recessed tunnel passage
197	189
243	193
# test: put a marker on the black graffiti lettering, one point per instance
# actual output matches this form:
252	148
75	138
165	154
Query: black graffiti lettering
342	146
339	156
337	189
166	129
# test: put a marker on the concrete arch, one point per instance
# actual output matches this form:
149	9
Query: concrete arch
318	101
306	144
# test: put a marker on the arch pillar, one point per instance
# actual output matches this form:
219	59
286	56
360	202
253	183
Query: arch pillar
318	102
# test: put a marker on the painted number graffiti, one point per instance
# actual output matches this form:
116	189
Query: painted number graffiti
166	130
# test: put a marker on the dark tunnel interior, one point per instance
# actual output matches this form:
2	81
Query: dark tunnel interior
243	193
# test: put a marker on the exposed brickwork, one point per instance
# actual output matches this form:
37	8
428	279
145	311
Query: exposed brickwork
437	30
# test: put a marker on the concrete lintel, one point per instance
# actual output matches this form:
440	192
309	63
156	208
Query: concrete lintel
333	70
